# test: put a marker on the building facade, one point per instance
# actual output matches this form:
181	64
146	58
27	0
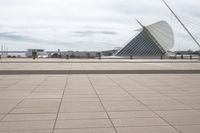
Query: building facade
152	40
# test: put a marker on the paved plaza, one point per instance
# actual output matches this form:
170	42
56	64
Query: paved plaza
100	103
95	64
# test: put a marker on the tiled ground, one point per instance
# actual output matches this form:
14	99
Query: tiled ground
100	103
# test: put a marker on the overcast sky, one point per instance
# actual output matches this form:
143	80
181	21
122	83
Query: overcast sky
90	24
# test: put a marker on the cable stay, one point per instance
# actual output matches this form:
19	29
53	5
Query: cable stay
187	30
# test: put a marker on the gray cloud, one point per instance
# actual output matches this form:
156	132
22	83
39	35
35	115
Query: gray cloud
13	36
91	33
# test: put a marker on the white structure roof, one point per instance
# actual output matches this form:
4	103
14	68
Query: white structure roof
163	34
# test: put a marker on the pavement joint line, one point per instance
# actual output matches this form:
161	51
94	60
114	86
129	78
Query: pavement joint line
26	130
31	113
102	104
172	97
91	127
43	98
58	129
22	100
9	121
15	83
32	107
112	127
145	126
143	103
59	107
171	84
155	111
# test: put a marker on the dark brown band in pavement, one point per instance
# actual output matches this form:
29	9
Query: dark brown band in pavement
41	72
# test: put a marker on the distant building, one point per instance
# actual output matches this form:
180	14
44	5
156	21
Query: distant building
41	53
153	40
109	52
79	54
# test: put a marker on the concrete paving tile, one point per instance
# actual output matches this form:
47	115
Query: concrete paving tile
142	95
178	113
1	116
13	95
45	96
83	123
116	99
86	99
79	96
29	117
27	125
81	107
48	91
121	103
189	128
9	101
160	102
6	108
26	131
169	107
125	108
34	110
153	129
83	115
39	103
113	96
183	120
195	106
80	92
110	91
88	130
154	98
139	122
131	114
